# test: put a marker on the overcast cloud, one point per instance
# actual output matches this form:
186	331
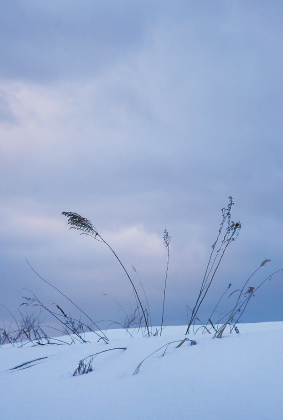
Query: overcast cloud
140	115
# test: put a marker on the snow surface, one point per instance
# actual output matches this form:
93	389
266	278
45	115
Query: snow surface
239	376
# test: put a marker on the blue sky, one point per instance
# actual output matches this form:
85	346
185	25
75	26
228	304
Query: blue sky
140	115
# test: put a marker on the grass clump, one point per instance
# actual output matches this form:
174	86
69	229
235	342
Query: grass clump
166	240
86	227
221	330
223	240
228	233
85	365
31	329
28	329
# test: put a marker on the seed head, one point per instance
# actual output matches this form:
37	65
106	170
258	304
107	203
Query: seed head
80	223
166	238
264	262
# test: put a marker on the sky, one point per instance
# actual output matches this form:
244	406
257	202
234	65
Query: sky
140	116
